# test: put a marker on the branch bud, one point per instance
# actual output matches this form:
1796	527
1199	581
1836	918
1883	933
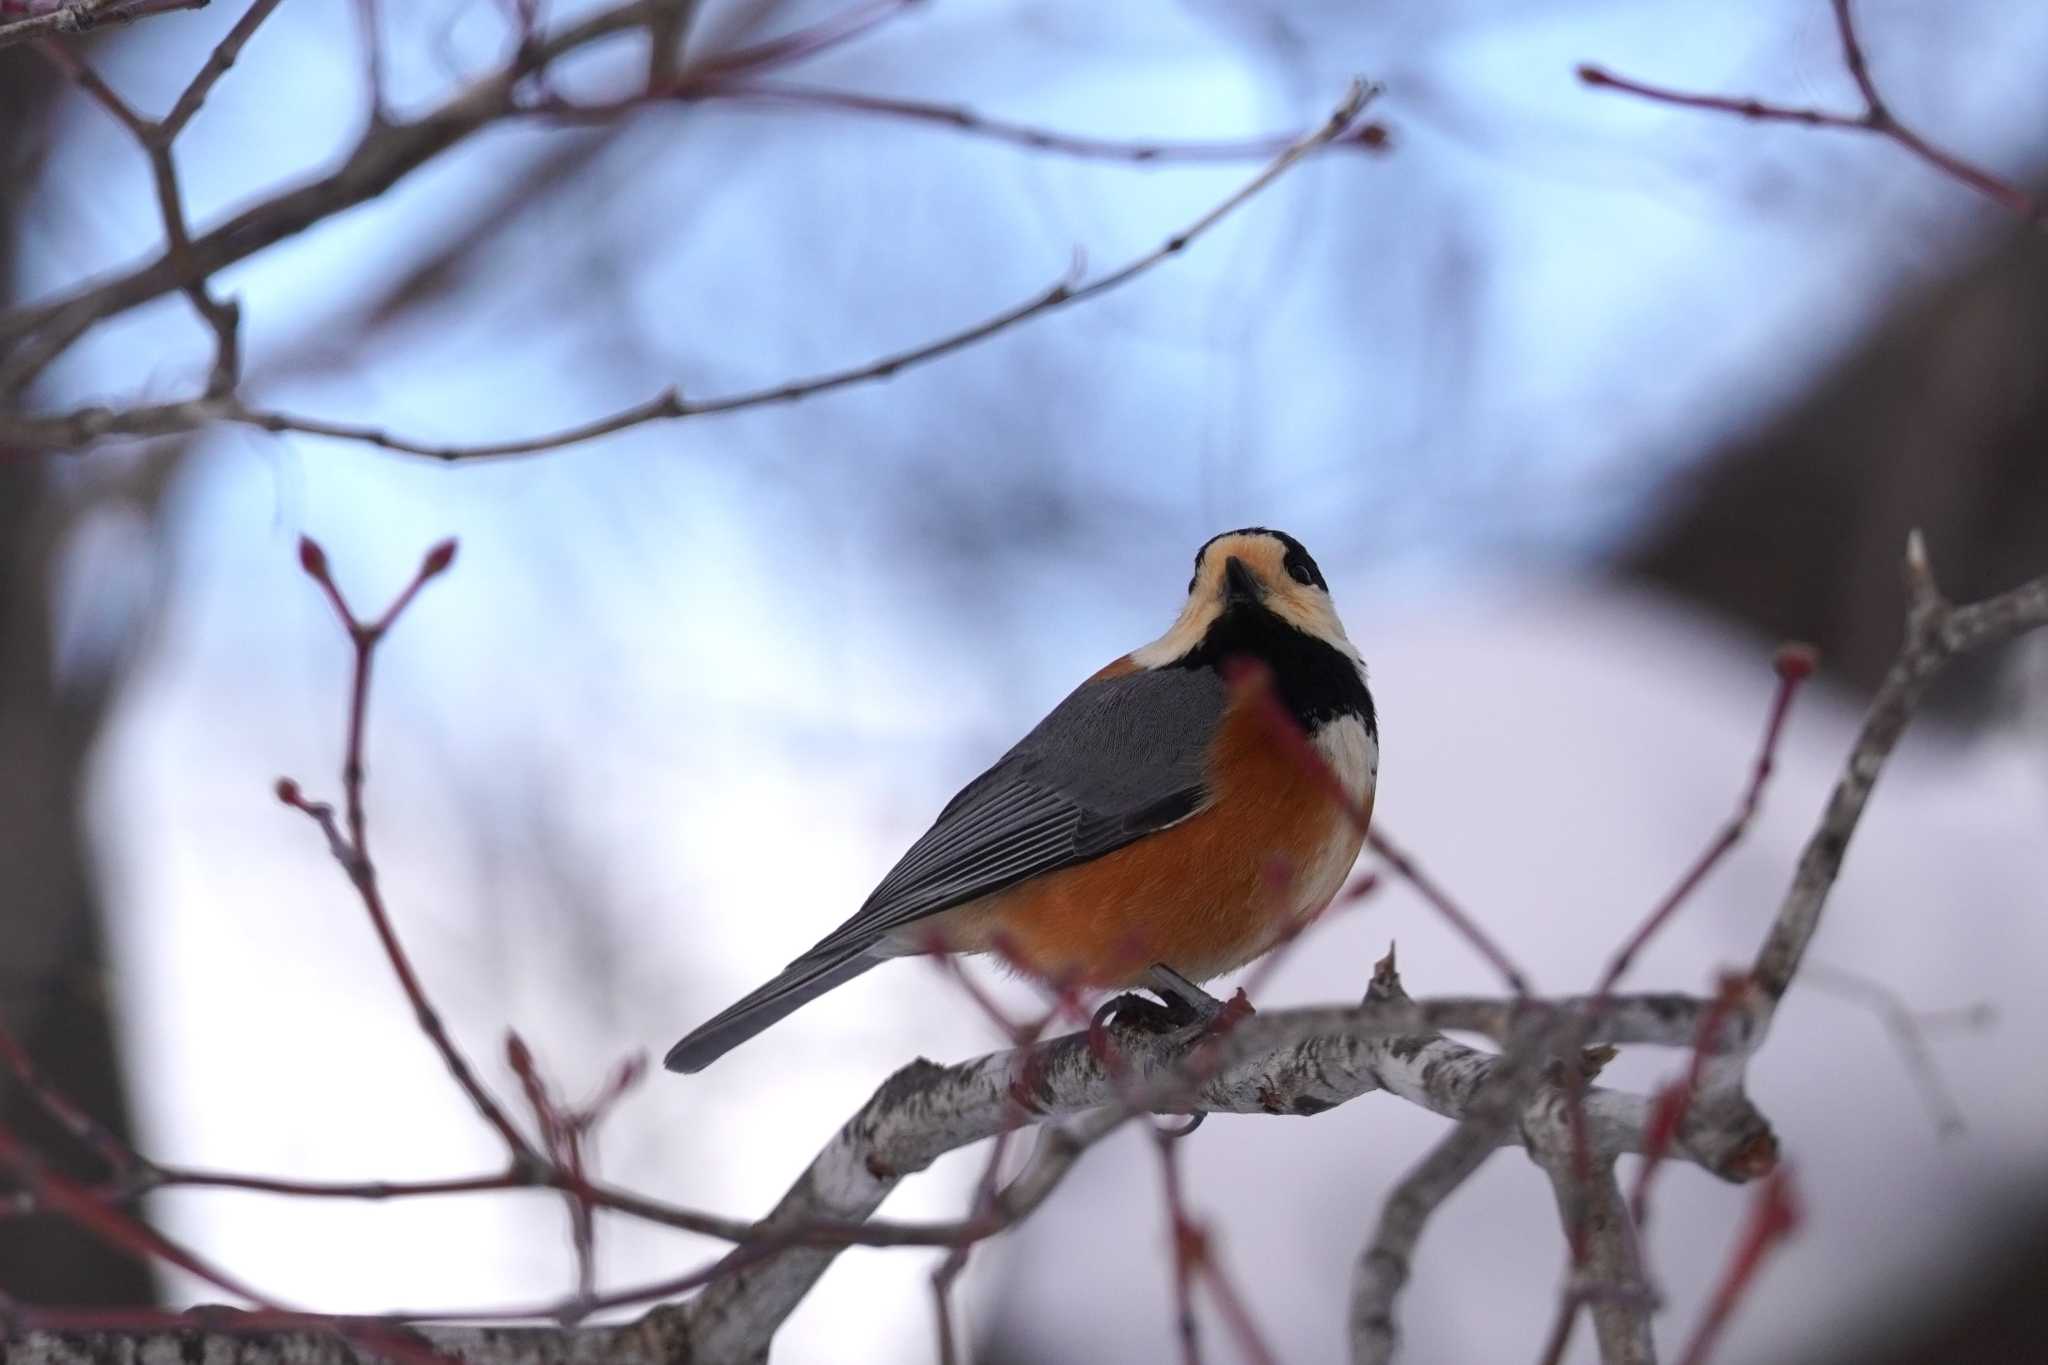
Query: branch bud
438	559
1795	662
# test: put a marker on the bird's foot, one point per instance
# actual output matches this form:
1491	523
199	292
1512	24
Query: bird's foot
1138	1013
1184	1001
1182	1006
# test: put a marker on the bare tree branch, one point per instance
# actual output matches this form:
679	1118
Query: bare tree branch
1609	1281
387	153
1909	1029
86	425
1937	633
1368	137
1875	117
42	19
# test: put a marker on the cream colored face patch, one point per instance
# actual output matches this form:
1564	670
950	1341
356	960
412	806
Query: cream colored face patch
1302	605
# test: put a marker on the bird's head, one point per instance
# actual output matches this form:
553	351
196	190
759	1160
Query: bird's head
1241	576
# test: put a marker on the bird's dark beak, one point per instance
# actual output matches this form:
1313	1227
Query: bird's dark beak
1240	586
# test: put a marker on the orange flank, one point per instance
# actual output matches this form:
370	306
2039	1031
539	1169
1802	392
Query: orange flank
1208	894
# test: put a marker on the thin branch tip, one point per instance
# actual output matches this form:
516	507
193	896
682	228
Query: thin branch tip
1795	661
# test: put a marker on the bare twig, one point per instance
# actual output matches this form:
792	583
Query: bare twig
1368	137
39	334
49	20
1875	117
1937	633
155	139
1794	664
118	1157
1908	1028
1774	1216
1674	1102
1257	681
133	1237
370	22
223	56
87	425
352	848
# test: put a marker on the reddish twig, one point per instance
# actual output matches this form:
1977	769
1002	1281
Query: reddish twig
1794	664
987	1191
1251	1344
84	1207
188	1177
1189	1244
561	1133
1774	1216
1016	1031
119	1157
97	1216
1875	117
352	849
985	1210
1440	901
1195	1258
1257	681
1676	1100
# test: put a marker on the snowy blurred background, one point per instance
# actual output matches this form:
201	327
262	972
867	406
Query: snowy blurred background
1582	404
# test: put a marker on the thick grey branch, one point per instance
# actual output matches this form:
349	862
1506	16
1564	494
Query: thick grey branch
1610	1282
1386	1261
1299	1062
636	1344
1937	633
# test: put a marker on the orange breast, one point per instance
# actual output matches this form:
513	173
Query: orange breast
1212	892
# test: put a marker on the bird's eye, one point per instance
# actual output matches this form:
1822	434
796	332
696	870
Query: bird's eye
1302	574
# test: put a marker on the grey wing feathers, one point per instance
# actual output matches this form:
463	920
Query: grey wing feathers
1119	759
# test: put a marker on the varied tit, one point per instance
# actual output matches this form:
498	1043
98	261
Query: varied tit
1156	819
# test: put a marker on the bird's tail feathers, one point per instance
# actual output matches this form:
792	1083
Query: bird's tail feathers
801	982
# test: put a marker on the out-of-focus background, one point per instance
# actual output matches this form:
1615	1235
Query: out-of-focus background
1582	403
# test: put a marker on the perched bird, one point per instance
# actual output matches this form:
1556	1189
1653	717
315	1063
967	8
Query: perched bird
1158	818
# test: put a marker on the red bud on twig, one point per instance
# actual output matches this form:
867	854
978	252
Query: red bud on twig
438	559
1795	662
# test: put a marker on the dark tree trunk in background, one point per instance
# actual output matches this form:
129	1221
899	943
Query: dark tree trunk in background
53	982
1938	420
